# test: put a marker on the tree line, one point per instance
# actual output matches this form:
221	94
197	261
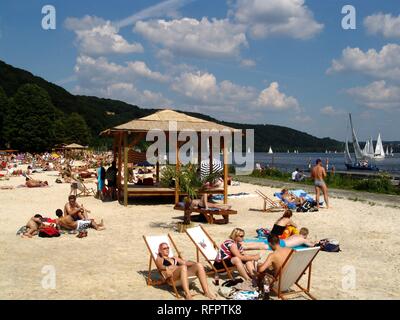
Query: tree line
30	122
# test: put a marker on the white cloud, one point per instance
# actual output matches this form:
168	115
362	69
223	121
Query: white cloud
203	88
331	111
191	37
100	71
271	17
96	36
271	98
385	24
164	9
377	95
106	79
384	64
247	63
302	119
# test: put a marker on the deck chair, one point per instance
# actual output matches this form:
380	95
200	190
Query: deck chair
293	269
84	191
208	248
271	205
152	243
209	214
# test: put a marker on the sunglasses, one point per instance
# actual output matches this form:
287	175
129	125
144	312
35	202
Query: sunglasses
241	235
165	248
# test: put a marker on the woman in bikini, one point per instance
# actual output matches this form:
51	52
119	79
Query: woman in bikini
180	269
284	227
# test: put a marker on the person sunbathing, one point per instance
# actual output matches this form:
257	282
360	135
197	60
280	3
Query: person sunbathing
287	196
33	226
73	209
284	226
300	239
232	253
31	183
68	223
203	203
274	261
179	269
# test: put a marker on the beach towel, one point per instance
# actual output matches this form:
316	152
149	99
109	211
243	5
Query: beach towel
22	230
281	243
233	196
301	193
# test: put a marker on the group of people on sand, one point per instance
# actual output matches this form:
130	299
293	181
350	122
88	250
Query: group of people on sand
232	254
74	217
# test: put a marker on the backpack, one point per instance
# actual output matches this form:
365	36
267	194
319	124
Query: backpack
307	206
263	232
49	232
329	245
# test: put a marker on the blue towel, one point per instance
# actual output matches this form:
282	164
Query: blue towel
281	243
305	195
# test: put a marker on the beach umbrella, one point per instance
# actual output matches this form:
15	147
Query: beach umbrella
205	167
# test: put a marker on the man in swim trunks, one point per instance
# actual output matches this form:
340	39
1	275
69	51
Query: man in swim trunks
67	222
318	173
33	226
73	209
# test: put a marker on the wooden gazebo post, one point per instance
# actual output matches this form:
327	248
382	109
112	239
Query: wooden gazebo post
177	168
126	152
225	152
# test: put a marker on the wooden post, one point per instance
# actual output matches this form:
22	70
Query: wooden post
115	142
158	172
119	164
126	172
225	152
177	169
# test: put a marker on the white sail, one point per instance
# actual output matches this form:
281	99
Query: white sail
357	150
391	151
387	150
379	152
366	148
371	151
347	156
270	150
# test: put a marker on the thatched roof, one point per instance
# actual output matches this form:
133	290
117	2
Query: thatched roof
161	120
74	146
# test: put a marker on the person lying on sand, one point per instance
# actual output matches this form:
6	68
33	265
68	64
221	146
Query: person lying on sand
299	239
68	223
33	226
75	210
203	203
31	183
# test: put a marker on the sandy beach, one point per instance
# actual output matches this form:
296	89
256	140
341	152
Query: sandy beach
112	264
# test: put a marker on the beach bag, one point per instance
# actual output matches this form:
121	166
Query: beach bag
245	295
329	245
49	232
263	232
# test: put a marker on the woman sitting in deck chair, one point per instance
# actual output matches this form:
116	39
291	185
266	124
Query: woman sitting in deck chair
180	269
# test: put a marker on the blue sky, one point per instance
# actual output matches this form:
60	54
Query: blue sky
284	62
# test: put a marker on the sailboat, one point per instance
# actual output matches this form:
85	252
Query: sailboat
270	150
379	152
391	151
387	151
361	162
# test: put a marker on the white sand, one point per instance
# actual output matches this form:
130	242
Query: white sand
111	264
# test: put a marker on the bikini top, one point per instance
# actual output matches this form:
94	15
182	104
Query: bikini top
167	263
278	230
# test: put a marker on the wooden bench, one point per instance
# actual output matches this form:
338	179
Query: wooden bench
209	214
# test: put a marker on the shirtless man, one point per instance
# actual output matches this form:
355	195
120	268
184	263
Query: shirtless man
318	173
31	183
67	222
33	226
270	267
299	239
73	209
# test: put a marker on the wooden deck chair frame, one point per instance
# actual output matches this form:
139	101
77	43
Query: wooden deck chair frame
272	204
163	279
84	191
214	270
278	278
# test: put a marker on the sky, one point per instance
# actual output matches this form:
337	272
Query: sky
281	62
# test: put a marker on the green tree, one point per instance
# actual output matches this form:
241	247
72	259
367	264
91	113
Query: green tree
3	111
76	129
29	124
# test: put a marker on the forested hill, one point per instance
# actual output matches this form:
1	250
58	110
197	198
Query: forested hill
36	114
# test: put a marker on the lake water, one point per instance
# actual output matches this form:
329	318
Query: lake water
290	161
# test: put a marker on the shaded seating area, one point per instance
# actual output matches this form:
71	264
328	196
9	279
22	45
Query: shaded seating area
128	136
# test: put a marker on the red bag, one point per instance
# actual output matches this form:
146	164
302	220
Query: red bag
49	232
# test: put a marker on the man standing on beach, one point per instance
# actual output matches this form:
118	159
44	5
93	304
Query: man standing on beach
318	173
